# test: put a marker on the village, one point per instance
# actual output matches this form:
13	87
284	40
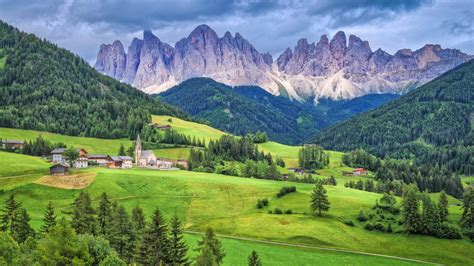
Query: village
143	159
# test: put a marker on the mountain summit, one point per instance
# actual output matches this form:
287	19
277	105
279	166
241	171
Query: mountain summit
335	69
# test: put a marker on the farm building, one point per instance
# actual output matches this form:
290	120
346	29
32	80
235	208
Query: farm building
359	171
59	169
119	162
164	164
159	126
183	162
297	170
12	144
100	159
58	155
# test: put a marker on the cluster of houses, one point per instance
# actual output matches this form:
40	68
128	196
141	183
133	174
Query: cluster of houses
143	159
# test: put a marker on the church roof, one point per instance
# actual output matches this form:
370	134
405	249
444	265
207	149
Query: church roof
147	154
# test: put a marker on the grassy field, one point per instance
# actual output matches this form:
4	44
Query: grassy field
228	205
189	128
92	145
173	153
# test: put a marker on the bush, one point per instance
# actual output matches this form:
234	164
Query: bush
379	226
288	211
265	202
278	211
389	228
349	222
270	211
285	190
369	227
361	217
259	204
449	231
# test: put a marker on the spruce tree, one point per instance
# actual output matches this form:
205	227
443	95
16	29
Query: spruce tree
138	220
121	150
319	199
443	207
49	219
254	259
467	218
178	248
83	218
430	221
121	235
21	227
206	258
410	210
154	249
104	215
10	213
209	241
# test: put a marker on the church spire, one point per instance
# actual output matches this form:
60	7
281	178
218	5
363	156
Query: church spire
138	150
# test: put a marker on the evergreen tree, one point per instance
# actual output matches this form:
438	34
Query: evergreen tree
410	210
178	248
443	207
83	218
49	219
10	214
253	259
22	229
154	249
211	243
430	221
467	219
206	258
104	215
122	237
121	150
319	199
138	220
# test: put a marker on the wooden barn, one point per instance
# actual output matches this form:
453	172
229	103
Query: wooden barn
59	169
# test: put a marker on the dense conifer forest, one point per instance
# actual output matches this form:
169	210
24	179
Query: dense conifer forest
432	124
44	87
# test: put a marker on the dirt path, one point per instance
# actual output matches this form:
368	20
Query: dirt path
313	247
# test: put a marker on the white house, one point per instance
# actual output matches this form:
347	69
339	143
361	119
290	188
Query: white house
81	162
58	155
164	164
100	159
126	161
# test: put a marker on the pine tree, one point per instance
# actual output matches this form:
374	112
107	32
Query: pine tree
443	207
206	258
121	150
138	220
178	248
121	235
49	219
467	219
83	218
319	199
104	215
430	221
22	229
209	241
410	210
253	259
10	213
154	249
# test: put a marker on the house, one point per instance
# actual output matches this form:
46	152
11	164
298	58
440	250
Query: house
159	126
99	159
114	162
126	161
58	155
59	169
297	170
359	171
83	160
164	164
12	144
143	158
183	162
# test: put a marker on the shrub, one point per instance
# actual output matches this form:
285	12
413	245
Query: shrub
349	222
288	211
361	217
389	228
369	227
449	231
278	211
379	226
259	204
270	211
285	190
265	202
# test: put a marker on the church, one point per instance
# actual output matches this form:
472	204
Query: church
143	158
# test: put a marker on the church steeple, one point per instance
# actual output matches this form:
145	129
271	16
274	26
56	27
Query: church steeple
138	149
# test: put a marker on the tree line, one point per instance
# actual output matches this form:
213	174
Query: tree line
106	235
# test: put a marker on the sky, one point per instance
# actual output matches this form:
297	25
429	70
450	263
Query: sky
271	26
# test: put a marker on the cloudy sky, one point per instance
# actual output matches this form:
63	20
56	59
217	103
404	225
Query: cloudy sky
82	25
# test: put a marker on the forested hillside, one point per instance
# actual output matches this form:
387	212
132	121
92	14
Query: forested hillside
44	87
432	124
248	109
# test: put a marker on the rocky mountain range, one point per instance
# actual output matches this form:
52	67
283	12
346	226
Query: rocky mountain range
334	69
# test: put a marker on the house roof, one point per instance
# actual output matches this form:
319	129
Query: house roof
97	156
125	157
60	164
58	151
359	169
116	158
147	154
12	141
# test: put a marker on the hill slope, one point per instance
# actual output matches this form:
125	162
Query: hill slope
47	88
248	109
432	124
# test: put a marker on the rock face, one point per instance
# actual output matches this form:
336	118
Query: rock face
334	68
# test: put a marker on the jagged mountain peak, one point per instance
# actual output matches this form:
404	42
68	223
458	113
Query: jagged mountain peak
336	68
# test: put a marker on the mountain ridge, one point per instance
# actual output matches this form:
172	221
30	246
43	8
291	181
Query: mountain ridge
336	68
